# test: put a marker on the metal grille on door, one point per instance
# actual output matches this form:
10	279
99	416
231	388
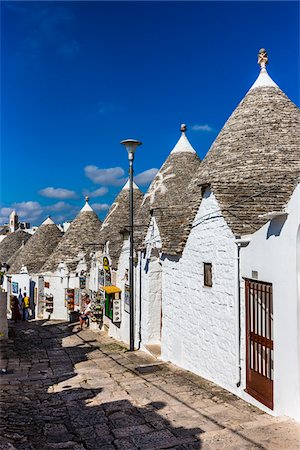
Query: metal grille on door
259	341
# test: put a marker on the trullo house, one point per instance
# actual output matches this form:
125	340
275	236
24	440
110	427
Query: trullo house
231	300
163	228
25	266
109	273
66	271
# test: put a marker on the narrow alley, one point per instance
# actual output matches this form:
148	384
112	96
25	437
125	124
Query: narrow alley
62	389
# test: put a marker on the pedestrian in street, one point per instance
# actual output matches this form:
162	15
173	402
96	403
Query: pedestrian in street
14	306
26	305
85	315
20	301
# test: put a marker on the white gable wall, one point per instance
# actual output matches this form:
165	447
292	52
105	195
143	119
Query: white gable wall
199	323
274	253
121	331
151	282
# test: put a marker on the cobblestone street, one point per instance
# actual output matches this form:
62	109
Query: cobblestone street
68	390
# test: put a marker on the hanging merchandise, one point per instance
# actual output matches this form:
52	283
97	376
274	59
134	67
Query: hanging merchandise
49	303
127	298
101	277
97	305
69	299
77	298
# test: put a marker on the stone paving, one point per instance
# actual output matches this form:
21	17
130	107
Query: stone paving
82	390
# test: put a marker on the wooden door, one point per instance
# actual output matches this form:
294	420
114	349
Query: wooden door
259	341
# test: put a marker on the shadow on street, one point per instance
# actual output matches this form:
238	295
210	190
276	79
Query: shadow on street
42	407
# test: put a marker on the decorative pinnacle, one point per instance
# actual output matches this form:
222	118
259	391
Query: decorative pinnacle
262	58
183	127
87	198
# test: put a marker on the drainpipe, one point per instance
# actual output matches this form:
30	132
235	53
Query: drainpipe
240	243
140	299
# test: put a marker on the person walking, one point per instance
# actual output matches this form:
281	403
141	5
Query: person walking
20	302
26	305
84	317
15	310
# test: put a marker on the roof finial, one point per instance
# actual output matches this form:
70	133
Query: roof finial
87	198
262	58
183	127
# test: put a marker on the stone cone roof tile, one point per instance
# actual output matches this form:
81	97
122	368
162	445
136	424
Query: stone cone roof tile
39	247
81	238
253	166
11	244
169	199
117	220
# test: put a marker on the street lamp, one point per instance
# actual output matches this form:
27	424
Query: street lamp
131	145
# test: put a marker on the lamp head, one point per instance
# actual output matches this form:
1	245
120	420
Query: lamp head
131	145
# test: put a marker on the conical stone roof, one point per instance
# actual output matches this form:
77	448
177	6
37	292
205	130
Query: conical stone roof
81	236
38	248
168	198
253	166
11	244
117	220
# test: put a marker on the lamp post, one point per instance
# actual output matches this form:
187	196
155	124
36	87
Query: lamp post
131	145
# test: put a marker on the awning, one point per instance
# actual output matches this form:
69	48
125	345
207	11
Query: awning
111	289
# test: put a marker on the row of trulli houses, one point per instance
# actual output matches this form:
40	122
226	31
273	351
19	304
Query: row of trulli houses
217	266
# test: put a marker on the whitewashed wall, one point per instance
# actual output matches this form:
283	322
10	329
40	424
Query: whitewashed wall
23	280
274	253
151	287
199	323
121	331
57	286
3	315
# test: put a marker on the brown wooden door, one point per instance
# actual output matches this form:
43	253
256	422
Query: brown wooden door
259	341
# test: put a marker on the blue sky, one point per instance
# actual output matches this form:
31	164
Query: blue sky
78	77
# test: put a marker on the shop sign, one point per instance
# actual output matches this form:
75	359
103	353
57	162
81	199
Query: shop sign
15	287
106	266
82	282
116	311
127	298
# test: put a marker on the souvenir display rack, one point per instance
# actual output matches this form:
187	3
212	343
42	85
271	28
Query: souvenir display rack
48	303
97	305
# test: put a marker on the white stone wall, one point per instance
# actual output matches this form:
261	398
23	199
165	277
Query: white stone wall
3	315
199	323
121	331
57	286
274	253
151	287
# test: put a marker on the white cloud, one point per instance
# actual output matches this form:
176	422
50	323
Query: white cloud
27	211
97	193
145	177
52	192
205	127
114	176
6	212
100	206
59	206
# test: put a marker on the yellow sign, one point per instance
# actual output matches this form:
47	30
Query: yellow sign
105	263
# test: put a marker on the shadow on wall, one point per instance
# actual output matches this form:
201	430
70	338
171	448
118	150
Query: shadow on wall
72	417
276	225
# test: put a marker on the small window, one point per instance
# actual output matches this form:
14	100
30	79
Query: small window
207	274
